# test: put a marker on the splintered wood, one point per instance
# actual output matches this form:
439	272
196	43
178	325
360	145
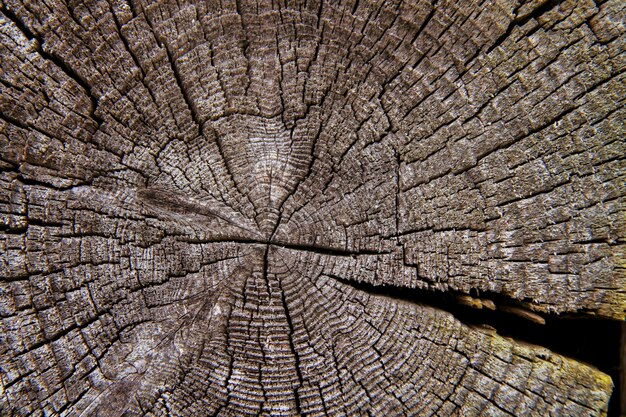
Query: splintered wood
210	208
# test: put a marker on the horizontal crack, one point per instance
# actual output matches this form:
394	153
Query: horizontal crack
327	250
322	250
574	335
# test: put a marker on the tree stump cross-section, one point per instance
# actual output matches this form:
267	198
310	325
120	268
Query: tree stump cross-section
294	207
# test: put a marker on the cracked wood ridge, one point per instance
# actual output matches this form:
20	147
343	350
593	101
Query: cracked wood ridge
209	208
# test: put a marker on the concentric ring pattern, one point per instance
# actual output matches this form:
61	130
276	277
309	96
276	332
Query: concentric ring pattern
196	196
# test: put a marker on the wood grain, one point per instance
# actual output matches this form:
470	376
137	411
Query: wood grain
212	207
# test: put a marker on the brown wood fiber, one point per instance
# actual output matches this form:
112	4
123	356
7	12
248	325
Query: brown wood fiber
211	207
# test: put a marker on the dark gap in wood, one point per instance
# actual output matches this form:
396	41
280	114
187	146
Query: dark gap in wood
17	22
574	335
290	336
593	341
425	22
30	35
326	250
355	6
321	250
621	388
233	240
183	91
127	46
38	183
520	21
15	122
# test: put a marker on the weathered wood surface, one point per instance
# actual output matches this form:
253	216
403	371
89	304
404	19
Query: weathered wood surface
204	204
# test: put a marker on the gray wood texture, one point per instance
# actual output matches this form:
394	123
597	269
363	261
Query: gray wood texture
210	207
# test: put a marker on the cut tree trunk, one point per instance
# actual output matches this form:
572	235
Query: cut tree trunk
303	208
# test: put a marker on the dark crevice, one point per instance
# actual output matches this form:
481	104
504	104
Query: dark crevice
17	22
18	123
78	182
245	46
290	337
426	20
520	21
575	336
233	240
326	250
599	84
175	71
307	175
317	249
179	82
124	40
44	224
56	61
355	6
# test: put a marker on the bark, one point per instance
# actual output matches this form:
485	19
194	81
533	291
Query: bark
253	208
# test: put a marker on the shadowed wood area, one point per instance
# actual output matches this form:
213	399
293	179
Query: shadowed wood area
286	208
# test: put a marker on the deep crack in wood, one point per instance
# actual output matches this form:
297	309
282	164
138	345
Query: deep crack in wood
308	208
